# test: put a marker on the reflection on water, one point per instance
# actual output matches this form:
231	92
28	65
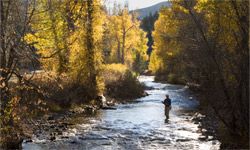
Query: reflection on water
140	125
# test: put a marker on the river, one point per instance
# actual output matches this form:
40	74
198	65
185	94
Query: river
138	125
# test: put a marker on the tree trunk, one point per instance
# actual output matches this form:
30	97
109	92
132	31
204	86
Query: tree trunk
91	49
123	45
118	50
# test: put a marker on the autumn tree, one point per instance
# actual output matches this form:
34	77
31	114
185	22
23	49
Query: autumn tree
14	19
86	54
13	48
205	42
124	38
166	45
50	31
225	42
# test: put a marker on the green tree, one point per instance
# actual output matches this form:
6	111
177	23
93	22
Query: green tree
147	24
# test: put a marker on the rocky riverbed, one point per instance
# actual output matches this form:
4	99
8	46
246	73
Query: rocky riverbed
137	125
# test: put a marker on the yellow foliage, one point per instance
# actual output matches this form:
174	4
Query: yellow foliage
165	44
124	35
120	68
49	36
113	72
85	63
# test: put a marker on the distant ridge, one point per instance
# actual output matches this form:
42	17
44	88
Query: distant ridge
143	12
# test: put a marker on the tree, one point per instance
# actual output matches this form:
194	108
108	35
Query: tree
205	42
14	19
13	48
86	54
147	24
90	47
50	30
226	44
124	39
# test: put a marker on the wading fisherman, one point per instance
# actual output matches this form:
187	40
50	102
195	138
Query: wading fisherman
167	103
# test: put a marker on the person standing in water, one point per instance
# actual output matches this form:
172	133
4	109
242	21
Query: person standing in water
167	103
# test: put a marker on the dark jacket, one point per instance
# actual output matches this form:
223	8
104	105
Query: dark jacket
167	102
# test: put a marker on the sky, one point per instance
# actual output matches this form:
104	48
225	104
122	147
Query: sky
135	4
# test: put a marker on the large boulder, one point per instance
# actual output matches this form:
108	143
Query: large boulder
101	101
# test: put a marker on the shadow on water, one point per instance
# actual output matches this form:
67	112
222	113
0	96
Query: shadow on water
140	125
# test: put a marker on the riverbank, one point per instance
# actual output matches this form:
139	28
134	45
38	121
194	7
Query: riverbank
52	124
137	125
208	123
56	99
208	120
213	126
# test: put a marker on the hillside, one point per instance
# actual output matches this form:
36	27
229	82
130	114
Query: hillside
143	12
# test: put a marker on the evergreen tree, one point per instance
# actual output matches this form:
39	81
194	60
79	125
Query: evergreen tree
147	24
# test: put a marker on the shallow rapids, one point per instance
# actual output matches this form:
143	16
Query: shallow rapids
136	126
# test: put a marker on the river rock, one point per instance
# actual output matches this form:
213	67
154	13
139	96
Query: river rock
52	138
109	108
183	140
53	126
89	109
111	103
64	137
210	138
202	138
51	117
78	110
203	130
73	142
158	139
197	117
148	88
27	140
102	102
145	94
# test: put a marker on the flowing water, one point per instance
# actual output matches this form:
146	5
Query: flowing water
139	125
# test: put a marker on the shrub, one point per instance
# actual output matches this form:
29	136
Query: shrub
113	72
121	83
